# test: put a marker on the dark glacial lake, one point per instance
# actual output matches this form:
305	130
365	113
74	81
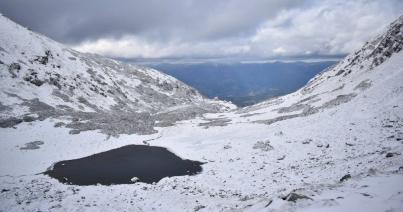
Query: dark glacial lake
147	164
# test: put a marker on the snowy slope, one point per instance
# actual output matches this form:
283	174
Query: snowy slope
334	145
40	78
336	85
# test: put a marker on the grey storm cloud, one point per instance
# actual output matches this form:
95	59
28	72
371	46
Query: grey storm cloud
208	28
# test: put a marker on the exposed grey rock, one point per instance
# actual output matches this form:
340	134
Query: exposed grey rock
198	207
345	177
279	118
293	108
340	99
74	132
309	110
388	44
294	197
32	77
339	72
270	102
2	49
4	107
4	190
365	195
44	59
363	85
227	146
59	124
263	145
309	99
281	158
339	88
249	114
166	86
112	122
85	102
268	203
391	154
216	122
9	122
62	96
28	118
279	133
32	145
14	66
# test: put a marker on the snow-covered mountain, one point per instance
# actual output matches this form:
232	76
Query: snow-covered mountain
339	83
334	145
40	78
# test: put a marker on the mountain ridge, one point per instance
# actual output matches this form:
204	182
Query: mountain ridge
46	79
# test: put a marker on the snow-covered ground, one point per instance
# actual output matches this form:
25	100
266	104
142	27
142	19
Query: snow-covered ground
334	145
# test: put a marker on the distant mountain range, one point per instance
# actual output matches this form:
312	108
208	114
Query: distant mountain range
244	83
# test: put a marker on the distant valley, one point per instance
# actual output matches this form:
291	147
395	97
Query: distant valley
244	83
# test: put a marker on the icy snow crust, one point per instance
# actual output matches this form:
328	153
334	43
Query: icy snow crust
346	123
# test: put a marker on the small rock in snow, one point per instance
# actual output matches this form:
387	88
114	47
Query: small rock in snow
268	204
390	154
134	179
59	124
281	158
293	197
345	177
199	207
263	145
227	146
366	195
74	132
280	133
32	145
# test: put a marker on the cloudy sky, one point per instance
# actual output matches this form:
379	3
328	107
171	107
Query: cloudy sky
207	28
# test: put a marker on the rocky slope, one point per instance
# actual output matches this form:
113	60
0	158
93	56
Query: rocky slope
335	85
40	78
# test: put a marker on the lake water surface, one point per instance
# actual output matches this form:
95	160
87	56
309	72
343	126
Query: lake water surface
147	164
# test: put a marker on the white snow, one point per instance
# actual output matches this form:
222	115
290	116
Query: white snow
310	155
